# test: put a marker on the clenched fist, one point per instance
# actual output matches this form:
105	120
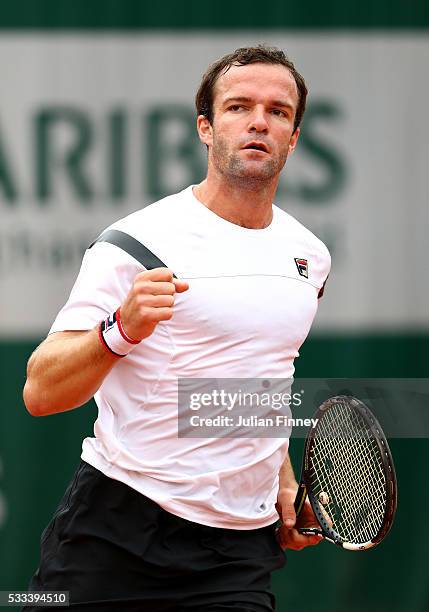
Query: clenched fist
150	300
288	535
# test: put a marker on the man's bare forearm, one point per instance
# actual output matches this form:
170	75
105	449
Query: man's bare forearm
65	371
68	367
287	478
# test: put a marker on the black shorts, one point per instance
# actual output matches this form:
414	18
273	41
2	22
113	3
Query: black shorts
114	549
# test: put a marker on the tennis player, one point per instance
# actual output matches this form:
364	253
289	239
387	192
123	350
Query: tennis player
152	521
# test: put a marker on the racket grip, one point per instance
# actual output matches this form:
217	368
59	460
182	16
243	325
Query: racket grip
300	498
310	531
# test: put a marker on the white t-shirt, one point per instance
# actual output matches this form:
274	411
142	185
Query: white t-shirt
246	313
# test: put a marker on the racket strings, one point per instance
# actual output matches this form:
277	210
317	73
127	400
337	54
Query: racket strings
348	467
344	500
347	503
355	520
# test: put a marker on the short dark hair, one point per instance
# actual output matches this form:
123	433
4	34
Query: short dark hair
242	57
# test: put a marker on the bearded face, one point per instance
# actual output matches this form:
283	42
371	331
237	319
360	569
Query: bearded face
236	162
252	132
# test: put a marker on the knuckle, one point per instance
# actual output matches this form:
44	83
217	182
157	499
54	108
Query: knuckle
141	301
144	311
139	288
140	277
161	274
151	315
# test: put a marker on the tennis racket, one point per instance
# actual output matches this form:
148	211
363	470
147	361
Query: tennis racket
348	475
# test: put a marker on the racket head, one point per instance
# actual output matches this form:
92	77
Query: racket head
349	475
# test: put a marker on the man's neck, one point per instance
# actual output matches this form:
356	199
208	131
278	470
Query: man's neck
245	203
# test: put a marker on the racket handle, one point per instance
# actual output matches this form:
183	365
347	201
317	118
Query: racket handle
310	531
300	498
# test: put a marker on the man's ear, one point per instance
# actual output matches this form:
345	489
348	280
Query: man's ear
293	141
205	130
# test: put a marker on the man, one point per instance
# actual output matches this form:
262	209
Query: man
153	521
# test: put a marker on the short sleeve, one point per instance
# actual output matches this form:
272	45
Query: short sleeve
323	268
104	280
322	289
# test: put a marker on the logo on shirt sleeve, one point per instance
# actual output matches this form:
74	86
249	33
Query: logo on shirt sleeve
302	265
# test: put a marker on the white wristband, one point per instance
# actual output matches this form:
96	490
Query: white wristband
113	336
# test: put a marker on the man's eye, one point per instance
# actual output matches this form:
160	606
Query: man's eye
278	112
235	107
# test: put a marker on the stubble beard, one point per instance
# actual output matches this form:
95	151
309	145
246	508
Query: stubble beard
252	174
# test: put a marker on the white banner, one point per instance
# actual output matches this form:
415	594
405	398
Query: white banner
93	127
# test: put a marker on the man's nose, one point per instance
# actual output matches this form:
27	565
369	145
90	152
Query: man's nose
258	121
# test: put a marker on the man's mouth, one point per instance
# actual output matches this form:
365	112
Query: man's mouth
256	146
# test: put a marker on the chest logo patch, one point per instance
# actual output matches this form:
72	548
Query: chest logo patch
302	265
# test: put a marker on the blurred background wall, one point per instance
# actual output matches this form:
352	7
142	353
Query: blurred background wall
97	120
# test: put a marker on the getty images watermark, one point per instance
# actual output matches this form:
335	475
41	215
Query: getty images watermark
239	408
277	407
